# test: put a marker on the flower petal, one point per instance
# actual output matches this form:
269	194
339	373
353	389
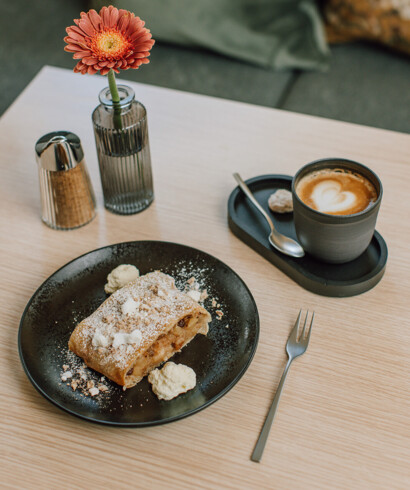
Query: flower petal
78	55
80	68
77	30
105	15
89	60
75	35
86	26
141	35
145	46
113	17
73	48
134	25
142	54
82	46
140	21
124	19
95	19
72	42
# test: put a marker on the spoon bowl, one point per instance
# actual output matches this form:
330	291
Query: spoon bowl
288	246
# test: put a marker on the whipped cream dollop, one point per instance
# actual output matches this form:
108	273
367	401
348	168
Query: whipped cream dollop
329	197
172	380
120	276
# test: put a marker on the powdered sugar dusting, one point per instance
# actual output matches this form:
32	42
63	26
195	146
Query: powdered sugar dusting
191	277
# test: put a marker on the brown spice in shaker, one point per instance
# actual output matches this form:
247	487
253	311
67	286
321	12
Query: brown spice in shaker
73	201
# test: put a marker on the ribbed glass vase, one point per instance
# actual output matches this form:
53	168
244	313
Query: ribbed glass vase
121	136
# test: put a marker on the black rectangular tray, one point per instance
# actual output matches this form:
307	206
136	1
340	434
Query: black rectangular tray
338	280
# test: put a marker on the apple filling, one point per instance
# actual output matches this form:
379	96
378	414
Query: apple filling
165	346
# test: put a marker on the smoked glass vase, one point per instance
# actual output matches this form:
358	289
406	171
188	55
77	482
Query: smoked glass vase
121	136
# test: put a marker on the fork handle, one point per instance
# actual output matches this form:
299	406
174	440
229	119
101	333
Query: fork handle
263	436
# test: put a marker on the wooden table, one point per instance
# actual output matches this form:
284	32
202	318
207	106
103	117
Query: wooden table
344	417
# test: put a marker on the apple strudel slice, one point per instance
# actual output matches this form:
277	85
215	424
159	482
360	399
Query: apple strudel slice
137	328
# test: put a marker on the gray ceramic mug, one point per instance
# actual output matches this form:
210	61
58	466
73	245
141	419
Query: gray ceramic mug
335	238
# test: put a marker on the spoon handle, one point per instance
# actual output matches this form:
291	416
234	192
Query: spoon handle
251	197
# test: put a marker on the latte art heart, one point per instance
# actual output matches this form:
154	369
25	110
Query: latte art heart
336	191
329	197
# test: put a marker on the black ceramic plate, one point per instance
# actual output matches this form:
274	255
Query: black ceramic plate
340	280
77	289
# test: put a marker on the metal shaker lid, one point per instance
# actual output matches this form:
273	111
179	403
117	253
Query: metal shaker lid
60	150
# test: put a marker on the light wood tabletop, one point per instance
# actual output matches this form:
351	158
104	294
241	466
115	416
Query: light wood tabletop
344	417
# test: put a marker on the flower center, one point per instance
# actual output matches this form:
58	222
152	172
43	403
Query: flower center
110	44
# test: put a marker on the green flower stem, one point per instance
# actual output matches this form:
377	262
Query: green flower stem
113	86
115	96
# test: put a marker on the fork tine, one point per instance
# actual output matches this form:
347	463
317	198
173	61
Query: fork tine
302	335
310	327
295	329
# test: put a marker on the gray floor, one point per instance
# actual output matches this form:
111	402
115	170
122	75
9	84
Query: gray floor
364	84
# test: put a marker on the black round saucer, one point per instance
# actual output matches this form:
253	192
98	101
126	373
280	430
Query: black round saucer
339	280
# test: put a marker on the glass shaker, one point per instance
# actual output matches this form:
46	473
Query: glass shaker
67	196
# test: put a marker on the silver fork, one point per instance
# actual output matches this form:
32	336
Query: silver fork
296	346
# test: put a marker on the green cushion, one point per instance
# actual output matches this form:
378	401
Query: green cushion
270	33
207	73
365	84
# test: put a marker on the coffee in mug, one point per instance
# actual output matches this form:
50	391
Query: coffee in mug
336	191
335	207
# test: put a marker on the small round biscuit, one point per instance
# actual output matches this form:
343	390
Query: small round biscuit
281	201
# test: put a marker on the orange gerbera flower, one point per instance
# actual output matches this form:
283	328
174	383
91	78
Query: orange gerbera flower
113	39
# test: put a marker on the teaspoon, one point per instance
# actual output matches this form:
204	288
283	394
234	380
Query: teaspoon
284	244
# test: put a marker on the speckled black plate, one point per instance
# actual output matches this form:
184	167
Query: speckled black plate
77	289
